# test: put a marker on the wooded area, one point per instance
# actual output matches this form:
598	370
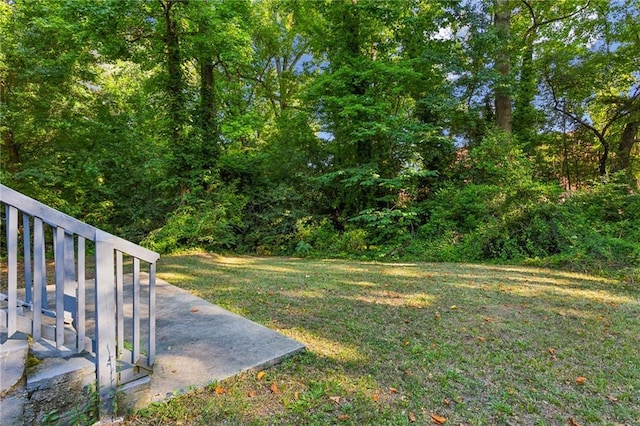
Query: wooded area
382	129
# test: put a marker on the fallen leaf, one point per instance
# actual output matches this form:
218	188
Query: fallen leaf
412	417
552	351
251	394
219	390
274	388
580	380
335	399
562	313
194	309
439	420
407	321
296	395
488	319
261	375
480	338
343	417
446	401
375	397
393	390
454	307
573	422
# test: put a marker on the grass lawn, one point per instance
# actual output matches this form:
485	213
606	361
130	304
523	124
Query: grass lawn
418	343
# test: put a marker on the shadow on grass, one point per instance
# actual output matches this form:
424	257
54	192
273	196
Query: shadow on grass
478	344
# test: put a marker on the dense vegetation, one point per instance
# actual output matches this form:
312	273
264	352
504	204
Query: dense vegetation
433	130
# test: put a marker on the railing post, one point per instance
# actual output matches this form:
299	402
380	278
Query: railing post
152	315
12	273
70	296
26	229
39	277
105	324
59	267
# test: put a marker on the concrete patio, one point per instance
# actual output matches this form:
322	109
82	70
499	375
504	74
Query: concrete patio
197	343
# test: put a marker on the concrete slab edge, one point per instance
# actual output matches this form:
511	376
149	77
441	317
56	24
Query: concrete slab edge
256	368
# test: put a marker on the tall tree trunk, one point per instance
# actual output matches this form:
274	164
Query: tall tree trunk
174	71
357	85
208	123
628	139
524	115
207	100
502	22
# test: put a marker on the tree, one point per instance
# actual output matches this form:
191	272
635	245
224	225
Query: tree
594	80
502	85
535	18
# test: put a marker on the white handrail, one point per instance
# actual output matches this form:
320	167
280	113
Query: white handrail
70	224
70	234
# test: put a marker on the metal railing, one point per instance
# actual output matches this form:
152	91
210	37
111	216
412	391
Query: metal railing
54	295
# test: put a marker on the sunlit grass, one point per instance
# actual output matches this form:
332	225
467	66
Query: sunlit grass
388	343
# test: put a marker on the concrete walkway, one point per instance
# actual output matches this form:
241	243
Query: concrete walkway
198	343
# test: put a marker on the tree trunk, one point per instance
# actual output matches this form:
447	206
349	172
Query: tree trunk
602	162
208	123
207	101
13	151
174	71
502	22
628	139
524	115
8	136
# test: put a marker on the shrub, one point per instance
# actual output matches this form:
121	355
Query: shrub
209	223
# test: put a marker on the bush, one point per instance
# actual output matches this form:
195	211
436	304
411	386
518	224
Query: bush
596	229
211	224
319	238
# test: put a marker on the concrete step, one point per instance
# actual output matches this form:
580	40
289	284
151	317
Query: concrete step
13	361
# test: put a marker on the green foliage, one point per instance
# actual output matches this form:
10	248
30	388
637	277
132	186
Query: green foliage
595	229
319	238
331	128
497	160
211	223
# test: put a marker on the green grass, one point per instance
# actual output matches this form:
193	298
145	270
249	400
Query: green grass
390	343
